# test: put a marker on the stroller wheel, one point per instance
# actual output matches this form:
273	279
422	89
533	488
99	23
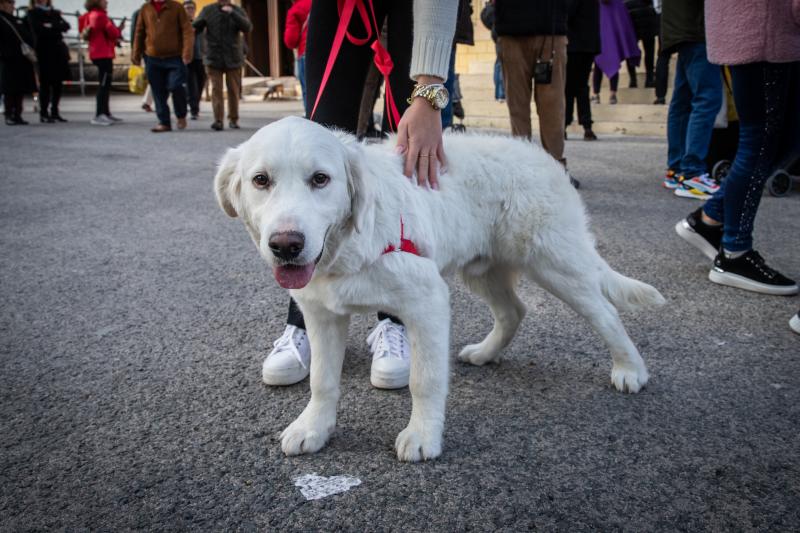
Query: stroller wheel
720	170
780	183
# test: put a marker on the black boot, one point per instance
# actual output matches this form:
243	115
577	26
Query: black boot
45	118
55	116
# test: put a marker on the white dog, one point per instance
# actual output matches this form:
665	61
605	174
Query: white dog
344	230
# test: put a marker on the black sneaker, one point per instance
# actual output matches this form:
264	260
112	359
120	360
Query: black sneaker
751	273
216	126
702	236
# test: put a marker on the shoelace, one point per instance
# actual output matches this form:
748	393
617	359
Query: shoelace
387	339
758	262
286	342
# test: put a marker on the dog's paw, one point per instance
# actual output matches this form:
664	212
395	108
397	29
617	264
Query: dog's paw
628	378
414	444
304	437
478	354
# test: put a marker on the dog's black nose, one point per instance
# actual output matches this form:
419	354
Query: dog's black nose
286	245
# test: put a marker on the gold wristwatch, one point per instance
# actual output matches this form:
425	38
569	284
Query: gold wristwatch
436	94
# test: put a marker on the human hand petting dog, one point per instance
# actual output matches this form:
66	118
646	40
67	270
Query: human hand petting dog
419	139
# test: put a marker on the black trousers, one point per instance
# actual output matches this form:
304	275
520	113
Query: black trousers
340	101
49	96
649	45
105	69
12	105
662	71
576	88
195	82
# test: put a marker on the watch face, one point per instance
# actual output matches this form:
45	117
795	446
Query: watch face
441	98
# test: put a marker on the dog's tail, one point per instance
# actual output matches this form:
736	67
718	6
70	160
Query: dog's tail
629	294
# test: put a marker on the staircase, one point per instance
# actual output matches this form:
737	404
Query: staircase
635	113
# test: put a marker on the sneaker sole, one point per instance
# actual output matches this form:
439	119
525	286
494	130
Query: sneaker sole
741	282
685	232
283	378
701	187
794	323
388	381
683	193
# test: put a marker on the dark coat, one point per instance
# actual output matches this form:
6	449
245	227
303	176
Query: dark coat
530	17
487	17
16	72
465	33
646	23
48	28
222	35
682	21
583	27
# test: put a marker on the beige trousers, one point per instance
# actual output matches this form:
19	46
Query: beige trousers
233	83
518	55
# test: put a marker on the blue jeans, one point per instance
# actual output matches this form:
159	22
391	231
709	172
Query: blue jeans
763	93
165	76
449	84
499	88
696	99
300	73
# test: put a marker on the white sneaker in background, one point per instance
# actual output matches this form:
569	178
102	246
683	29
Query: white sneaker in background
794	323
391	355
101	120
289	361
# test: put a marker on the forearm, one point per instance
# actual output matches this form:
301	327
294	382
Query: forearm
434	26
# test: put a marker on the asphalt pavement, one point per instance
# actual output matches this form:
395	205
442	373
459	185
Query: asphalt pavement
135	316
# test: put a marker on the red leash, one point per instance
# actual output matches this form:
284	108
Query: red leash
406	245
382	59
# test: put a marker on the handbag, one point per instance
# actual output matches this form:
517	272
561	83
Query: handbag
137	82
27	50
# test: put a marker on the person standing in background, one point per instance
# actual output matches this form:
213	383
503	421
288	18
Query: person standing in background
16	70
760	43
222	24
196	73
294	37
696	100
583	44
487	17
646	25
52	56
165	38
618	44
532	35
102	35
465	34
662	62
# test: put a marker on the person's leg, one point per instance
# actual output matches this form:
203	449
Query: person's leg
662	72
649	45
217	105
550	102
44	100
104	72
678	116
581	90
55	99
176	84
157	78
631	65
597	79
613	83
193	89
570	86
499	89
399	42
705	83
518	55
447	112
234	89
301	75
760	91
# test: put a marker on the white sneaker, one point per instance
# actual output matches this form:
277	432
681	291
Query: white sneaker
112	118
391	355
101	120
289	361
794	323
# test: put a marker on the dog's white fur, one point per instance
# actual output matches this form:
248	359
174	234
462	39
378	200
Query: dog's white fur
505	209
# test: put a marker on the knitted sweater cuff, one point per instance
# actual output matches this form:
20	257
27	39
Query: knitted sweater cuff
430	57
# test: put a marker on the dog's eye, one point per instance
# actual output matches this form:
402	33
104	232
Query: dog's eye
261	181
320	180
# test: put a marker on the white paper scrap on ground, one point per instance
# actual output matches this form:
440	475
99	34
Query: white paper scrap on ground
315	487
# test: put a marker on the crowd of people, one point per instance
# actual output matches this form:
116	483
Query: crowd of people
546	51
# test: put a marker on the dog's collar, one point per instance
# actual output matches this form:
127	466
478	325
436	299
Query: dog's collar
406	245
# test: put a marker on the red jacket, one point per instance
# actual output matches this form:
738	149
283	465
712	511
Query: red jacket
294	36
103	35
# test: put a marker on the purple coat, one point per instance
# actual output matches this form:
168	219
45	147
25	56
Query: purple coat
746	32
617	38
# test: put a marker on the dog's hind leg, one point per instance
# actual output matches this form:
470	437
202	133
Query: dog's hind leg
328	335
579	284
496	287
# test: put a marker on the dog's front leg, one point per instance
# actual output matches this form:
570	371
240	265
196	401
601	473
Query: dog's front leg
328	335
428	325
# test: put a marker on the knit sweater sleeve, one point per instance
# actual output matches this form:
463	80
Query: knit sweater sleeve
434	26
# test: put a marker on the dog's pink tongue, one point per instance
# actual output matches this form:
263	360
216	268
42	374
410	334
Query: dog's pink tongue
293	276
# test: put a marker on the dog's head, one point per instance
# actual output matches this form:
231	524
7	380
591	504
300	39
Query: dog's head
295	185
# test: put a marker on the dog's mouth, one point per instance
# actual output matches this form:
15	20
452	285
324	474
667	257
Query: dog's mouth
292	276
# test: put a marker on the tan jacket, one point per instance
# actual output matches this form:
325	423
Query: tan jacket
165	34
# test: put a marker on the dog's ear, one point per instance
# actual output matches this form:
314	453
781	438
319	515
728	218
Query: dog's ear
360	199
226	190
